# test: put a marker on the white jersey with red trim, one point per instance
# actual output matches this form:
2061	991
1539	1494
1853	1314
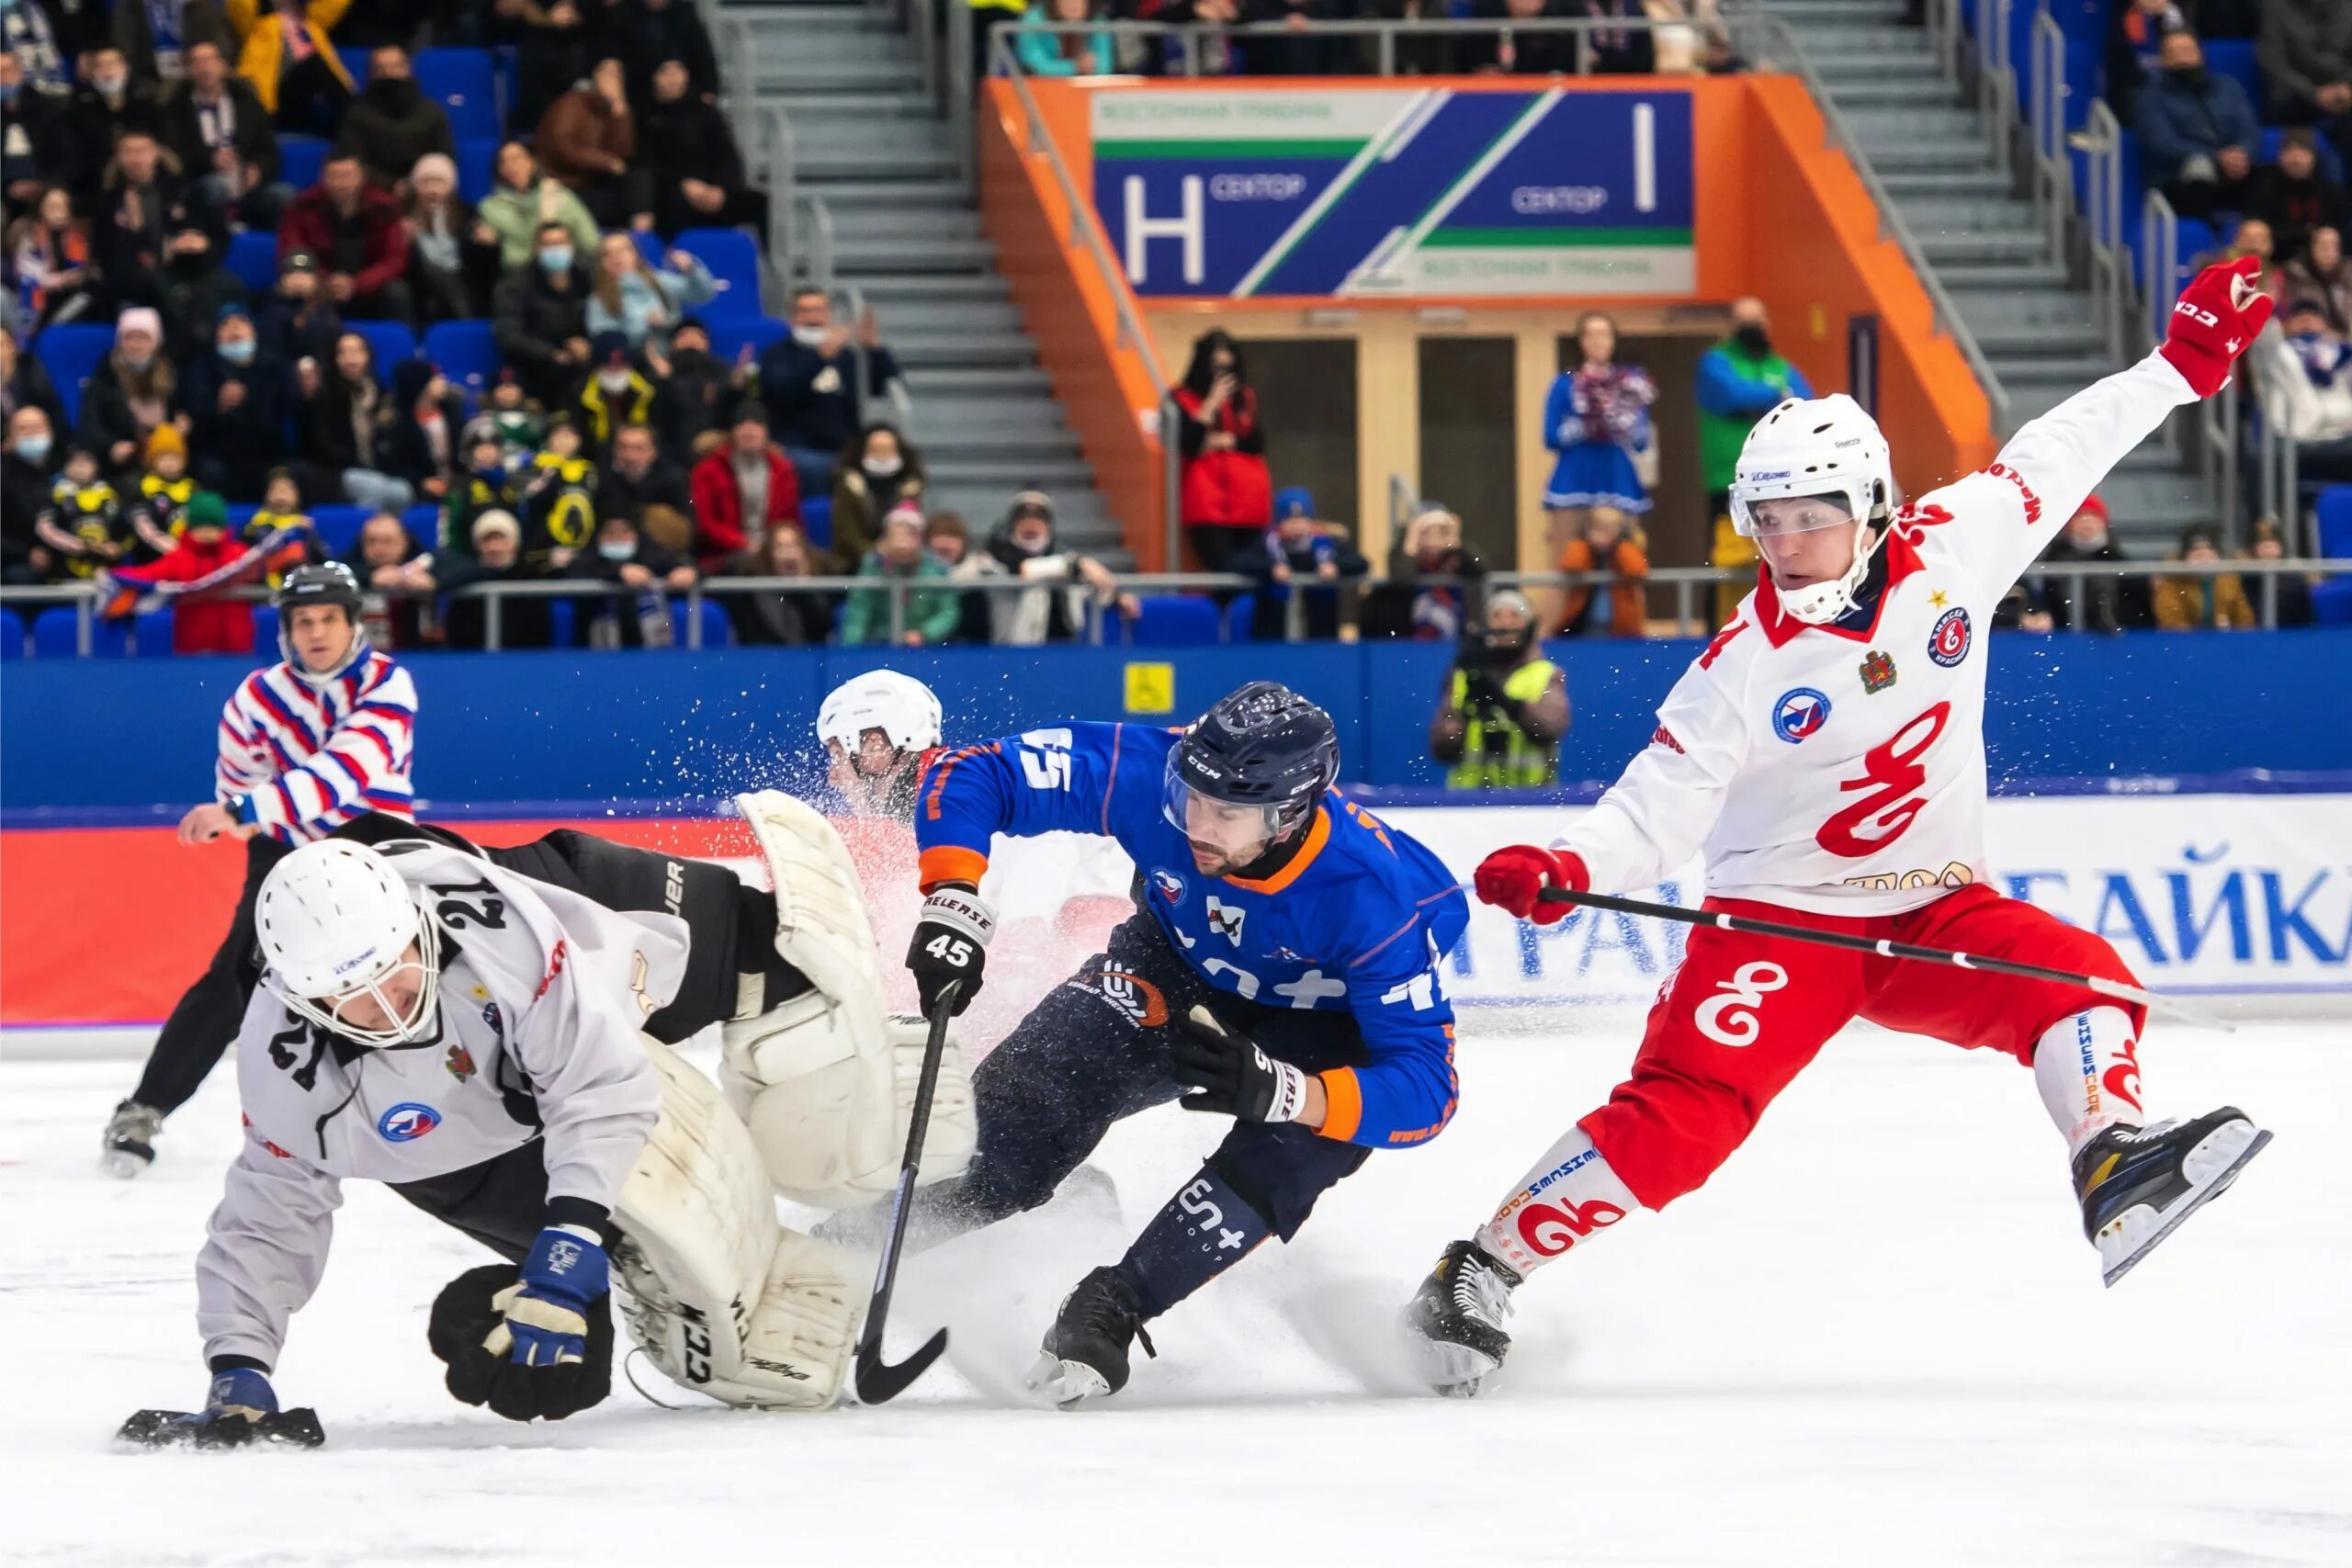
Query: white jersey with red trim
1841	768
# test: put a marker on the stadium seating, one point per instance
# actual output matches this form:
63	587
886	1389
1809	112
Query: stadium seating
1237	616
467	353
465	85
730	333
717	631
12	635
69	354
391	341
2331	599
423	524
339	525
299	159
477	166
150	634
252	256
1174	620
816	523
734	262
53	635
2234	57
265	627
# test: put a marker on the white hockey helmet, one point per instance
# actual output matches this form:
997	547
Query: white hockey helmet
901	707
335	922
1819	447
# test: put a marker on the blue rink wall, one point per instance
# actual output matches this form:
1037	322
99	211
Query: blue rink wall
2066	712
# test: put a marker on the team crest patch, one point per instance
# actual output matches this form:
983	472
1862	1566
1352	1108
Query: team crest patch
407	1123
1225	920
460	1063
1948	644
1168	884
1799	713
496	1020
1878	671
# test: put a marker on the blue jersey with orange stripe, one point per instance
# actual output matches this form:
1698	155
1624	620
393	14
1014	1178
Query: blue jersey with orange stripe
1355	922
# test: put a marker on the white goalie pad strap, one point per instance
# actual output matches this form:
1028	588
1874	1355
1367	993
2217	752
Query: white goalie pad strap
817	1102
723	1299
822	928
953	1131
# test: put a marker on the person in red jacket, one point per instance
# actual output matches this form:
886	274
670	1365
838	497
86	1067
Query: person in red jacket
355	230
202	620
1229	497
740	490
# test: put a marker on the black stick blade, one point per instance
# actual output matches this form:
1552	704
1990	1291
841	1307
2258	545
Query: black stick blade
878	1382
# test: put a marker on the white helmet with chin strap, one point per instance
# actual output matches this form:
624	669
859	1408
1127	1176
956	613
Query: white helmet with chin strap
335	922
901	707
1819	447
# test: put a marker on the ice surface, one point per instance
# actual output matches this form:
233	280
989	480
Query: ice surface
1878	1337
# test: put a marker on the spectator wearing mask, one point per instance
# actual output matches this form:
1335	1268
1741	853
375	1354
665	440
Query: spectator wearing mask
2294	196
395	576
2305	377
452	254
615	393
134	390
1513	53
291	62
877	472
355	233
1226	496
1597	417
558	500
541	321
2134	43
24	382
1609	543
2106	604
523	202
28	473
85	529
347	426
778	619
1740	381
203	619
2305	53
639	301
740	490
496	557
108	103
626	558
650	34
1073	54
703	389
808	380
2294	590
298	324
238	402
2320	276
691	156
196	288
391	124
52	267
522	424
427	418
896	562
1505	706
157	501
587	141
1066	586
1296	552
146	217
1432	581
2197	133
217	128
2202	602
645	487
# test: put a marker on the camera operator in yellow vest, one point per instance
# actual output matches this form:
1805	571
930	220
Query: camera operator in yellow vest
1505	705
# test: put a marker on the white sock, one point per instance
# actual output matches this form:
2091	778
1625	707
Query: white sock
1569	1194
2088	1069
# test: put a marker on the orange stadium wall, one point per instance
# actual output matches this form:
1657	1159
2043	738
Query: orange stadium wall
1776	213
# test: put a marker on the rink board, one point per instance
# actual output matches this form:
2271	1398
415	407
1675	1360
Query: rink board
2234	894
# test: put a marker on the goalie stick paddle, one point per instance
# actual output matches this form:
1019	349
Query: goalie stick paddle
1884	949
877	1381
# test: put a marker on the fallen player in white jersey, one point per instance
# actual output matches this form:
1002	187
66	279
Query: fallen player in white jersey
1826	755
496	1047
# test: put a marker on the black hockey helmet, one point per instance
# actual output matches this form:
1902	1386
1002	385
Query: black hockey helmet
1263	746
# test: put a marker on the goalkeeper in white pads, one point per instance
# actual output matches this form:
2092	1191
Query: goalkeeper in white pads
490	1032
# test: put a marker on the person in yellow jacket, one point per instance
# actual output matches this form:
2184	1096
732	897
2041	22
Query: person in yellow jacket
286	53
2192	603
1505	705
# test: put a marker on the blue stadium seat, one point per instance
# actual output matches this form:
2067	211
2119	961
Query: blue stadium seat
423	524
717	631
339	525
467	353
391	341
477	166
299	159
266	631
1237	616
465	85
252	256
69	354
150	634
2330	161
734	262
53	635
563	617
240	513
1174	620
2335	522
502	71
355	60
816	523
730	333
2234	57
12	635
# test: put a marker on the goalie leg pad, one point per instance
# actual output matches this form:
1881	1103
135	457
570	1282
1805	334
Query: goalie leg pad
821	925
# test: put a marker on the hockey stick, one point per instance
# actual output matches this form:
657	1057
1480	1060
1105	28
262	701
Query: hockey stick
877	1381
1884	949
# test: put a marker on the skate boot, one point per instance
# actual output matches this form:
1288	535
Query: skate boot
130	1145
1085	1352
2138	1183
1454	1320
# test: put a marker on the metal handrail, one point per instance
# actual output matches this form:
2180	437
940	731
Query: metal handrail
2052	174
2100	139
818	272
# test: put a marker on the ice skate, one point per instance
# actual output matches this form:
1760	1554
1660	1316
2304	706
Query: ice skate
129	1147
1454	1320
1085	1352
2138	1183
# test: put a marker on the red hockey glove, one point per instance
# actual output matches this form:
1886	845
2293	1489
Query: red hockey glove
1511	879
2214	321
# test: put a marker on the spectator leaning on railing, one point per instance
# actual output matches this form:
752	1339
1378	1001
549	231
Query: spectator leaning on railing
2110	604
1740	381
2293	589
1296	554
496	559
2189	603
1063	55
624	558
1505	706
1068	586
396	582
1433	588
1611	543
202	622
768	617
898	560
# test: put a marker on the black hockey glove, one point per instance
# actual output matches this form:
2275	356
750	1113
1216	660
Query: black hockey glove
951	944
1232	1076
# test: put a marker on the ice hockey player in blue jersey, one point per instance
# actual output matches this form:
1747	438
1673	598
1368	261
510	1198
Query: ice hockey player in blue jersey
1281	969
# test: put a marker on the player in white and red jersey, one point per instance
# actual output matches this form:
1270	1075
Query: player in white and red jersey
1825	754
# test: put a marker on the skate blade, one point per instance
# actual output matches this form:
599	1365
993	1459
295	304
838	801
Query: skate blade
1068	1384
1457	1371
2215	1145
122	1164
